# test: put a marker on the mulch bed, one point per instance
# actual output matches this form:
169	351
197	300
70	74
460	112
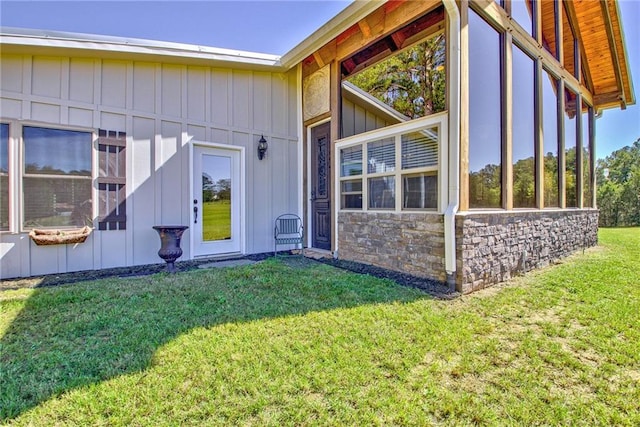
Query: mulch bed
432	287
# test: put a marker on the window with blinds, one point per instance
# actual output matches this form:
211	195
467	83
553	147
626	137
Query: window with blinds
381	156
351	161
420	149
384	186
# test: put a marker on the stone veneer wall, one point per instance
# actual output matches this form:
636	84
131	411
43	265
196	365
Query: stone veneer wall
410	242
493	247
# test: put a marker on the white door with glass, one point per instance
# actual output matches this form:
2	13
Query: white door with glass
216	217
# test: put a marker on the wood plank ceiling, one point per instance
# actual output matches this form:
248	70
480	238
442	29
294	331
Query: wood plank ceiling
596	25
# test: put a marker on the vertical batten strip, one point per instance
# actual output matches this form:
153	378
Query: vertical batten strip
65	75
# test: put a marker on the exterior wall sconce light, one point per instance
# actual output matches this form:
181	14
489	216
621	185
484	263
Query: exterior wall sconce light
262	147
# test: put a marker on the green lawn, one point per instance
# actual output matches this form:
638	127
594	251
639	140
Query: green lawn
216	220
270	345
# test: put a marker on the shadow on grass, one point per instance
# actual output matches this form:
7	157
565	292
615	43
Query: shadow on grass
66	337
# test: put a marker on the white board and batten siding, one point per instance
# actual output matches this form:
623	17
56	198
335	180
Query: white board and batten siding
163	108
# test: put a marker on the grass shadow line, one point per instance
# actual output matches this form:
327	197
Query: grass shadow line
65	337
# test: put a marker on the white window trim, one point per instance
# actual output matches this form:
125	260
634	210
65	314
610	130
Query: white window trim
16	170
438	121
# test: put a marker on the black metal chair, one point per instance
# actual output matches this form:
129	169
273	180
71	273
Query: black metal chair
288	230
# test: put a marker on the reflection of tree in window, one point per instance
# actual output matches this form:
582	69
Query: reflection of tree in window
570	138
485	114
411	82
550	139
524	185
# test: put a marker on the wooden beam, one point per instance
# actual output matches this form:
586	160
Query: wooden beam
335	85
365	29
605	99
420	28
614	51
383	21
318	58
464	105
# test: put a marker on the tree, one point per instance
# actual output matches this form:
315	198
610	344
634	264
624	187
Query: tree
207	188
411	82
618	190
223	189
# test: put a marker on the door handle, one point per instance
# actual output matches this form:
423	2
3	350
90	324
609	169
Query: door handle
313	195
195	211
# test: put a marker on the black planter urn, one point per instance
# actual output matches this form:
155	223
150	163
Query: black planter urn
170	250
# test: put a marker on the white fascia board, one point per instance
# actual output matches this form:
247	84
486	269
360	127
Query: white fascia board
37	39
353	13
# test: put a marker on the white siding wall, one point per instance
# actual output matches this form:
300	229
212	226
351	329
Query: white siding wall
356	119
162	107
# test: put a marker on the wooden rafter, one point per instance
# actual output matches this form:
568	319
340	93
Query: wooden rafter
420	28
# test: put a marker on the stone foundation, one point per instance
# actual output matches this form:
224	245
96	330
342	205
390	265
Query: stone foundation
408	242
493	247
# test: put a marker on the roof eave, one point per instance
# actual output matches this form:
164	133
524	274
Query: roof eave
353	13
38	42
630	98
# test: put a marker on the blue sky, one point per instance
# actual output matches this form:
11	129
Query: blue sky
262	26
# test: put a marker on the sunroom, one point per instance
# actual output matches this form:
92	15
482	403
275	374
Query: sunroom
463	134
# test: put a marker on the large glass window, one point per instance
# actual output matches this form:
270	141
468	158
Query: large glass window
408	84
410	183
524	183
522	13
568	44
485	115
4	176
550	139
56	178
548	17
570	124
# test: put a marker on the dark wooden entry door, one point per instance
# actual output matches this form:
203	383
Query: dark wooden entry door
320	186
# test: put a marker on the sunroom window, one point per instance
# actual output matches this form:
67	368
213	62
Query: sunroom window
401	173
420	153
56	178
351	171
